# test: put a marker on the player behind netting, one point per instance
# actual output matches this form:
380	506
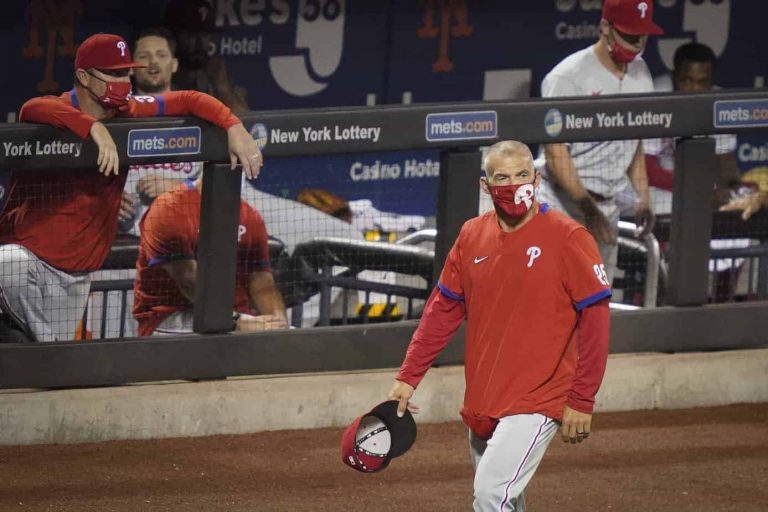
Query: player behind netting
164	289
531	284
59	225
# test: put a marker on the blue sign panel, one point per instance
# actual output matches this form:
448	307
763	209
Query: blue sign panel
164	141
461	126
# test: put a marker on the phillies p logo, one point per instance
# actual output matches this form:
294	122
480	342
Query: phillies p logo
533	252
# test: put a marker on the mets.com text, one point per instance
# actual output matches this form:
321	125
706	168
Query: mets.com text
162	143
747	113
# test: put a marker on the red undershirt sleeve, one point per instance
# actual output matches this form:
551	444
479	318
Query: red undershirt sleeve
440	321
182	103
593	334
53	111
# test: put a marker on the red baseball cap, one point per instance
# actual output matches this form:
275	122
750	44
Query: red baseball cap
372	440
105	51
634	17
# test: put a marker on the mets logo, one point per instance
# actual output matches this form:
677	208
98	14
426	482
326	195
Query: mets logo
553	122
260	135
453	22
51	34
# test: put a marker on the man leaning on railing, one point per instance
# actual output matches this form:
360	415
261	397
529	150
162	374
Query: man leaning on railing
57	225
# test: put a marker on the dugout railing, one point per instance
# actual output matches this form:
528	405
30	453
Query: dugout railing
688	323
318	258
335	270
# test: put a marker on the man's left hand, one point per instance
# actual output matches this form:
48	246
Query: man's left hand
576	425
150	187
244	150
644	218
747	205
127	207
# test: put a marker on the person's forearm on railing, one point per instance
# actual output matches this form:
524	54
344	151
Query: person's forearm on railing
561	170
748	205
638	176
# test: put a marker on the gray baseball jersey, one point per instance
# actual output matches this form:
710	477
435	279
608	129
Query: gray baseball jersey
601	165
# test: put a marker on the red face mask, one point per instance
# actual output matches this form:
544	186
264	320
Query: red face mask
619	54
115	94
513	200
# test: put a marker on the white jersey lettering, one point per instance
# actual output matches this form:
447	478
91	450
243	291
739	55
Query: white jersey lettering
533	252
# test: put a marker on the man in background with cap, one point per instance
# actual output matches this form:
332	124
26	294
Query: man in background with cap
583	179
192	23
59	225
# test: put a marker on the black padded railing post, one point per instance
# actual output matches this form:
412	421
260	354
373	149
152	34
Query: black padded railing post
691	228
458	200
217	249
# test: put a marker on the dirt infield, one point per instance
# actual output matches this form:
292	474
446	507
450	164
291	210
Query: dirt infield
690	460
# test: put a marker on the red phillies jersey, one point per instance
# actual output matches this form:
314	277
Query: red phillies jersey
169	231
522	293
69	218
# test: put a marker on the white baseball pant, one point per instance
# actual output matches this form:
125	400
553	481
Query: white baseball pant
48	301
507	461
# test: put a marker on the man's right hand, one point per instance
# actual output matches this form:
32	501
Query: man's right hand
108	160
596	222
403	392
249	323
576	425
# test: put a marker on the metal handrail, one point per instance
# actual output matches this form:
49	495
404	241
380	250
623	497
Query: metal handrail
361	255
649	245
753	251
756	253
417	237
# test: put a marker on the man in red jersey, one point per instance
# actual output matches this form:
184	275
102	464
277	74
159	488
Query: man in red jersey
164	289
534	290
58	226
